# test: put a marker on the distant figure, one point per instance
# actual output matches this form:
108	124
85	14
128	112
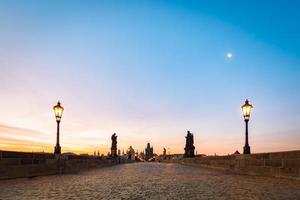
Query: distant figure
189	146
130	153
114	145
164	156
142	154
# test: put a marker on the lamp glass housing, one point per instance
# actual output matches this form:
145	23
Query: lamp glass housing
58	110
246	108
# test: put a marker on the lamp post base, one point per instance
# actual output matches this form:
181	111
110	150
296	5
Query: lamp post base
57	149
247	149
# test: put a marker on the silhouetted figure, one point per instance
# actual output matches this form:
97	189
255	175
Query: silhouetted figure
114	145
130	153
189	146
149	152
164	152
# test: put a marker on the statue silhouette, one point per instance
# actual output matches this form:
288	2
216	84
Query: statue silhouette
114	145
189	145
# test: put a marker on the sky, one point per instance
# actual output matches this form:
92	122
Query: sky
149	71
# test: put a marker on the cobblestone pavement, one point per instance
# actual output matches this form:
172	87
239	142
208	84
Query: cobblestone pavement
150	181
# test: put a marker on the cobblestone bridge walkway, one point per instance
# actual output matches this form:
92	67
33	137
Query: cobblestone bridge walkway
150	181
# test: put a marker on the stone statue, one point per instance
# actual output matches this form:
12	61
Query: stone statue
114	145
189	145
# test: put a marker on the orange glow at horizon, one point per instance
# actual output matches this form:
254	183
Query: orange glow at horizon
30	141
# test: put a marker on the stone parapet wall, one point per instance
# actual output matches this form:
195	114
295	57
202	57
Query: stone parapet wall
277	164
26	165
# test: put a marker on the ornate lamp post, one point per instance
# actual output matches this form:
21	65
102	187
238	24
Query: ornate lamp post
58	110
246	108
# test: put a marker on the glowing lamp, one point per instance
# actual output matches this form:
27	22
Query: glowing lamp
58	110
246	108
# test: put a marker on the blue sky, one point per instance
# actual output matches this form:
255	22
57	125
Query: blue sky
150	70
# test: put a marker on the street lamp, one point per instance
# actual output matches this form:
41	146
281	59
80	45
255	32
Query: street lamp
58	110
246	108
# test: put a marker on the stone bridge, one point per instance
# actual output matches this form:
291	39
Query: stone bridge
150	180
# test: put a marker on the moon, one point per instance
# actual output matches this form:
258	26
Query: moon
229	55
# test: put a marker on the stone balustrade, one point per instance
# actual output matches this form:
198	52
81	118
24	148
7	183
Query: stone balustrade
22	164
277	164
